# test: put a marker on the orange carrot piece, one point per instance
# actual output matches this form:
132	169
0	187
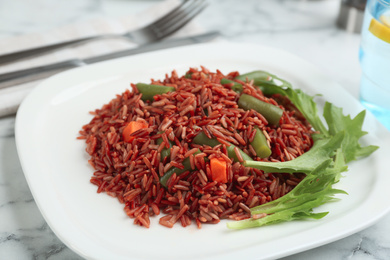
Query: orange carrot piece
218	170
131	128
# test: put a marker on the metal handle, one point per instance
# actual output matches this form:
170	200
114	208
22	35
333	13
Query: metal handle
37	73
20	55
41	72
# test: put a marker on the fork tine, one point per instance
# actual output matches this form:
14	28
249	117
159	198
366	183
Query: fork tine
180	14
171	14
182	19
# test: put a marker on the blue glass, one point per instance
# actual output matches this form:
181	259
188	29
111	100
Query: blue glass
374	55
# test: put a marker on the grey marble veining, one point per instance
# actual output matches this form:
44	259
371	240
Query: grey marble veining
7	127
24	234
26	16
306	28
272	16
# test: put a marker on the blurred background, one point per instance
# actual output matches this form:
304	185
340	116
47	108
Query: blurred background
307	28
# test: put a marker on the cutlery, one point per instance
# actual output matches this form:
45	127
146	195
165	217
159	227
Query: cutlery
41	72
163	27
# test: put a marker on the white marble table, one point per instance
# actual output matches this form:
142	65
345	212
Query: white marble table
306	28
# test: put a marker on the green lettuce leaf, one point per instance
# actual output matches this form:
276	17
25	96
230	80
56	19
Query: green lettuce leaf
278	217
321	151
314	190
337	122
334	145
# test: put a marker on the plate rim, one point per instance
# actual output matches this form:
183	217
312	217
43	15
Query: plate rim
30	100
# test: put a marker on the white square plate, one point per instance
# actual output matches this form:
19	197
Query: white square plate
95	225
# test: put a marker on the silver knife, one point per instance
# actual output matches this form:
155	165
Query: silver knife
41	72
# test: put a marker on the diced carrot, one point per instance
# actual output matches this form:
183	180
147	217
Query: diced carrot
218	170
131	128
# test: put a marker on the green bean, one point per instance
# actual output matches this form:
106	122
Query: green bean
206	112
237	87
149	91
270	112
165	152
254	75
268	87
265	83
261	79
202	139
269	90
260	144
187	167
232	154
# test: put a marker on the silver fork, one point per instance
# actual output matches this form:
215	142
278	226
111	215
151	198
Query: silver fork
163	27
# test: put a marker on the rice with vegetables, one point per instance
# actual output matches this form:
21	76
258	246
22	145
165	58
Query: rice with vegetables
176	147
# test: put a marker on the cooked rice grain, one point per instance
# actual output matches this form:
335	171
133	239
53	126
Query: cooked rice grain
131	171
